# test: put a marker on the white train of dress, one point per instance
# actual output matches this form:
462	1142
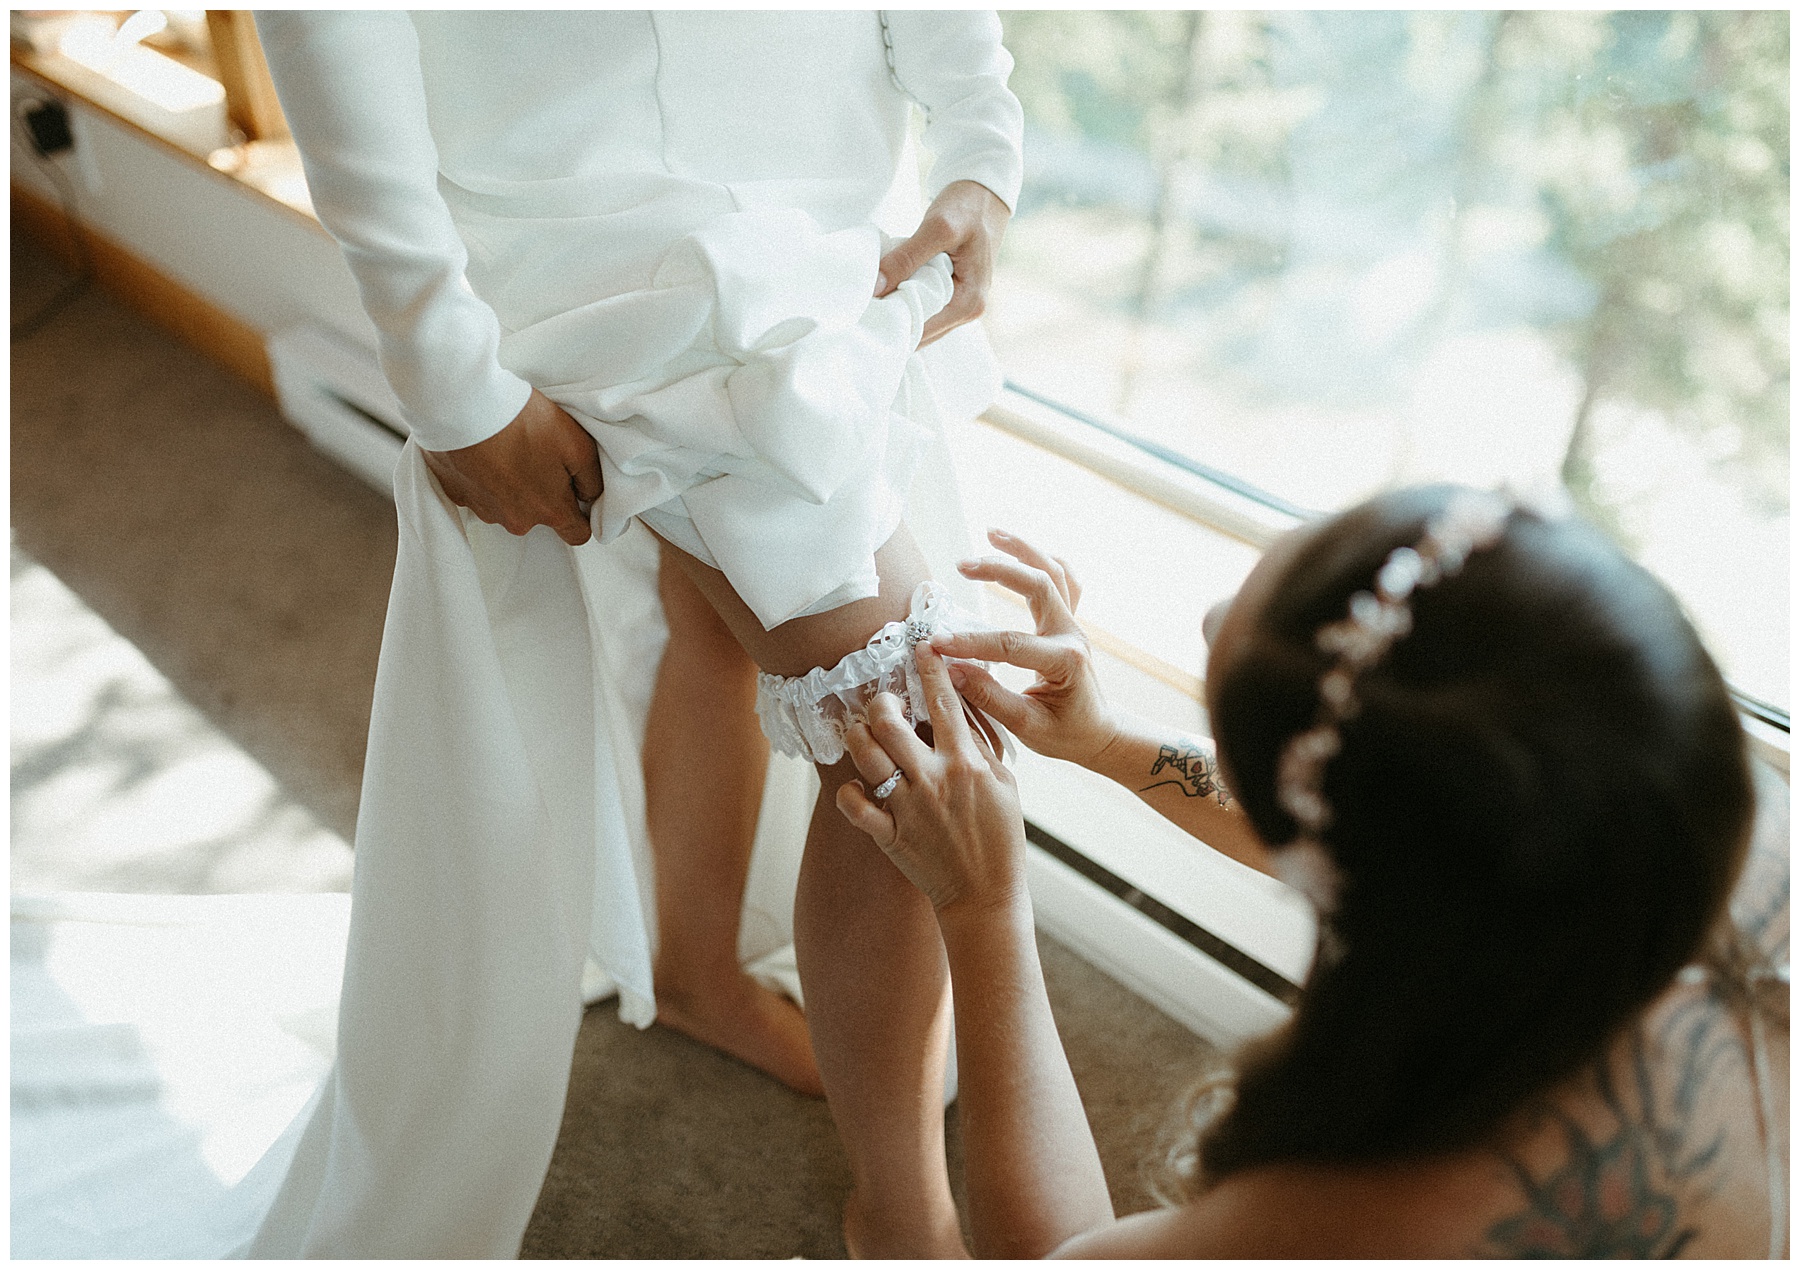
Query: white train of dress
773	417
513	689
502	862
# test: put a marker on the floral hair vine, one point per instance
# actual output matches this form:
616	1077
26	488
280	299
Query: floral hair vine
1471	521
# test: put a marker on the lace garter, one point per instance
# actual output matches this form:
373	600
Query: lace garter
805	716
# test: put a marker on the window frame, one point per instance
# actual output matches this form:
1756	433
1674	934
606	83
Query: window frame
1157	922
1223	502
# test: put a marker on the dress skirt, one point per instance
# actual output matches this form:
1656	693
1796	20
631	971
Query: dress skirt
503	876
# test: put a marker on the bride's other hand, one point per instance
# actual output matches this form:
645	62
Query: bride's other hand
540	469
967	221
1063	713
952	825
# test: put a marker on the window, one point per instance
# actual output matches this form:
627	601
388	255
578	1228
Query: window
1331	253
153	67
193	78
1267	265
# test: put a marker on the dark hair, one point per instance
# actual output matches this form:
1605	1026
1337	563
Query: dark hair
1537	817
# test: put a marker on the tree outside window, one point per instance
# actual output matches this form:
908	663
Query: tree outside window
1335	252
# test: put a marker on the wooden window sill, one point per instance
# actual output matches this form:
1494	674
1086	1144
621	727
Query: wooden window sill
268	169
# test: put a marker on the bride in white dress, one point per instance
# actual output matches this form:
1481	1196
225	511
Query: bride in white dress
669	228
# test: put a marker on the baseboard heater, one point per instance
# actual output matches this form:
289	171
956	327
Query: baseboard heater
333	390
1228	955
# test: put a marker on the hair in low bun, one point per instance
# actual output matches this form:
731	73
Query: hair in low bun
1536	814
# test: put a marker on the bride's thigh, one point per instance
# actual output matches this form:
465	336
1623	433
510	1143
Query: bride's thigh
795	647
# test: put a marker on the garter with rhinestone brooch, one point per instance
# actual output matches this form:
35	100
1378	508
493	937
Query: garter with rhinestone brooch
805	716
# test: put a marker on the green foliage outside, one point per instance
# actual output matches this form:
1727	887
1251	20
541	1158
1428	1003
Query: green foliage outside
1649	150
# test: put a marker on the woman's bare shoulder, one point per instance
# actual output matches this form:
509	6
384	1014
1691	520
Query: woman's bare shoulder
1661	1149
1288	1211
1670	1146
1658	1152
1659	1156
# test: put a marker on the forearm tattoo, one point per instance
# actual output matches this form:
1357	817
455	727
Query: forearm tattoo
1187	767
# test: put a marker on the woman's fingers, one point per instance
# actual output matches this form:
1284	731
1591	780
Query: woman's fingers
985	693
1053	659
889	729
985	729
1053	566
1071	588
965	306
877	747
854	803
949	729
1049	608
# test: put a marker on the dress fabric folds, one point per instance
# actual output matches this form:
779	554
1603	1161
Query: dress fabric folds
753	403
503	874
164	1051
486	785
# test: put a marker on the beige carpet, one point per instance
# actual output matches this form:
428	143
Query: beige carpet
252	573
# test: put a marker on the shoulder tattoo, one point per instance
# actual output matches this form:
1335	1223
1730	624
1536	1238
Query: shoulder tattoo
1618	1189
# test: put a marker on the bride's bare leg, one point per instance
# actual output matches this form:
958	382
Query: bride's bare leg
877	991
702	819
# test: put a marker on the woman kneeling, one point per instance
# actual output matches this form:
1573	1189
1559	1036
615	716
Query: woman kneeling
1497	758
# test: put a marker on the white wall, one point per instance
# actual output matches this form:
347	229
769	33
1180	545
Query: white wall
256	260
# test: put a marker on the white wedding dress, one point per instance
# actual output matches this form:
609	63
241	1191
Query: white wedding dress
670	224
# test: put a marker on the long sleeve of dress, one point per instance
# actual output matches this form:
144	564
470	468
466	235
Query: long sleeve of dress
953	64
351	86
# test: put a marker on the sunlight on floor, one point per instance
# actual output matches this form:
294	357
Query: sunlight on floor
162	1039
118	784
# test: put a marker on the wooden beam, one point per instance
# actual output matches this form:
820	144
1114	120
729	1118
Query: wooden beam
188	315
250	101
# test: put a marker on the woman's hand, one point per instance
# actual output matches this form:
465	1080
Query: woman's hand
1063	714
967	221
540	469
952	825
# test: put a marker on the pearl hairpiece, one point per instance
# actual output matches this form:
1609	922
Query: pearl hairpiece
1471	521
